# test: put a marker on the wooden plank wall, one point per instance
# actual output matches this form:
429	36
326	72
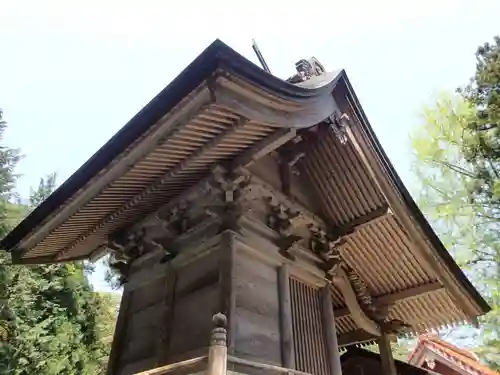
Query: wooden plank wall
137	351
168	318
257	335
196	301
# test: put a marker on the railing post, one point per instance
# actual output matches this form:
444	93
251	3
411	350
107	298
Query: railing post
217	353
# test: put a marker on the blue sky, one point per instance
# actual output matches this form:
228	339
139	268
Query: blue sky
73	72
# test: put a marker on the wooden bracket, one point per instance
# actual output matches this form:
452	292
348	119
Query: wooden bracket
280	220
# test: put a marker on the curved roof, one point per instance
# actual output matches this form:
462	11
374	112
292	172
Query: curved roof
221	107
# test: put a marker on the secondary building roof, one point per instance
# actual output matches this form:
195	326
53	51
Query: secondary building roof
430	349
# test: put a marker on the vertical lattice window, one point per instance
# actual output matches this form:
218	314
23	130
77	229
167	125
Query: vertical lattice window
308	335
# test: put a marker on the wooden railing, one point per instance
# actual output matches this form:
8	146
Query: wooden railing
174	366
217	359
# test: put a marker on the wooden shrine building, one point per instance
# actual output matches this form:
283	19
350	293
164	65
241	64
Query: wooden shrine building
269	201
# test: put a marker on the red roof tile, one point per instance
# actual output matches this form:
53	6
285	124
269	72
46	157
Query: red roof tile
461	357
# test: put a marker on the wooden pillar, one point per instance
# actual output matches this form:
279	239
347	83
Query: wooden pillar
332	345
227	291
287	344
388	364
217	353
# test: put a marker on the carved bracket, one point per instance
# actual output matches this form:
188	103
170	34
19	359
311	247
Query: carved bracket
326	247
178	219
339	123
280	220
367	315
125	248
231	184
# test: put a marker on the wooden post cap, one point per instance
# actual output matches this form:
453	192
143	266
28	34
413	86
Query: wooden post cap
219	320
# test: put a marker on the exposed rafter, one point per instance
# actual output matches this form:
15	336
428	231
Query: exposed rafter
264	147
241	122
356	337
389	299
359	222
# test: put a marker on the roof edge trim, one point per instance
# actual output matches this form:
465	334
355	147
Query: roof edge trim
217	56
412	206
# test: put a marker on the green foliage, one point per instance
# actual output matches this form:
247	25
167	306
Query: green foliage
449	196
51	320
401	349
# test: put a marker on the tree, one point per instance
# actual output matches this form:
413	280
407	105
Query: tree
449	195
481	148
51	320
8	160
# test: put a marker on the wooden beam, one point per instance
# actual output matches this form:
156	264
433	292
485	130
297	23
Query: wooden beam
389	299
356	224
18	259
358	336
341	281
264	147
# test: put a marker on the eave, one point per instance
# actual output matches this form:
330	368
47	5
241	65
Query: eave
222	109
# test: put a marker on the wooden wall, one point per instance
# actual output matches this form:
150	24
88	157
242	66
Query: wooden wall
167	309
257	335
166	318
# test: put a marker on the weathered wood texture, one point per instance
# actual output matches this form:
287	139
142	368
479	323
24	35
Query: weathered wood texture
196	301
267	168
310	345
329	329
137	347
286	323
121	325
257	335
168	318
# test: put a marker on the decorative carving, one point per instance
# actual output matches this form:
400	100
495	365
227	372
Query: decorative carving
431	363
338	123
326	247
280	219
306	69
125	248
231	185
219	332
364	297
176	221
